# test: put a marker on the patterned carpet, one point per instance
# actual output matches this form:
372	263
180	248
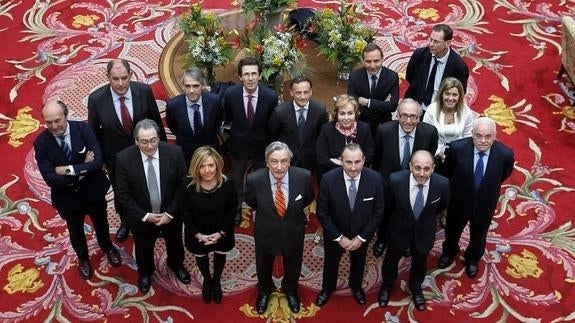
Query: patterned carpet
60	48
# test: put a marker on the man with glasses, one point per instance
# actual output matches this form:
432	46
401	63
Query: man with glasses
149	176
394	142
429	65
476	167
279	194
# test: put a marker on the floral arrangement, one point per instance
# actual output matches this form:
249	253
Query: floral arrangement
208	45
278	50
341	35
263	6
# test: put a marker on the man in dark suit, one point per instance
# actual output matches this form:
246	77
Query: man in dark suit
298	123
70	160
415	196
279	195
394	142
438	61
112	110
149	176
350	208
375	87
248	107
476	167
196	108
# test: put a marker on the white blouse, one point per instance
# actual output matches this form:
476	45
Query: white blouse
461	128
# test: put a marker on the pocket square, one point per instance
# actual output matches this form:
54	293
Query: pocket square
368	199
83	150
436	200
298	197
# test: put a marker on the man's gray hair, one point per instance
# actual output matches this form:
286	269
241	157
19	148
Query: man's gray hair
275	146
195	74
146	124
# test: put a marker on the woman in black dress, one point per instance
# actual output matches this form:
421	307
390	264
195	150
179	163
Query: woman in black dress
343	129
209	203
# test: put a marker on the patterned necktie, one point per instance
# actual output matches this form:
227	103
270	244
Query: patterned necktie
418	204
300	124
430	87
65	148
197	119
153	187
279	199
351	193
406	152
251	111
478	174
373	84
126	119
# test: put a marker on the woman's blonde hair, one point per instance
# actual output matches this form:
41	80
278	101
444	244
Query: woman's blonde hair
201	155
341	102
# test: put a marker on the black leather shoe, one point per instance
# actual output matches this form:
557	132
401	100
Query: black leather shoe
216	291
122	233
359	295
471	270
378	248
418	301
182	274
444	261
207	290
322	297
144	283
383	297
262	303
114	257
85	269
293	302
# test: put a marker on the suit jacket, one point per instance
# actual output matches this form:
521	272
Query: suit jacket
406	229
179	123
272	233
283	127
132	187
104	121
383	102
418	69
69	193
460	170
386	159
331	142
334	212
248	142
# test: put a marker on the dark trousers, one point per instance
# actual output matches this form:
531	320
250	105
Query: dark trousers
117	205
456	222
332	256
145	235
241	167
292	268
417	271
75	224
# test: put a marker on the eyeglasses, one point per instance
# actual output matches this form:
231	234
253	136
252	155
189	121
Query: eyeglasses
406	117
146	142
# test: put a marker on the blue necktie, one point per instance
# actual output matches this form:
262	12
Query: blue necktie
478	175
430	87
418	204
197	119
352	192
65	148
300	124
406	153
373	84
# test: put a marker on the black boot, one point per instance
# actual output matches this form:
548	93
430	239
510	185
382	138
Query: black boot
219	263
204	266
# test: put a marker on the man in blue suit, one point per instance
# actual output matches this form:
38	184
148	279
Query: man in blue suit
70	161
248	107
414	198
350	208
476	167
195	117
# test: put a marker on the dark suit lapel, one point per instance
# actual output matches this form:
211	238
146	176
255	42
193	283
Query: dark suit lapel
341	188
395	146
292	191
111	113
137	102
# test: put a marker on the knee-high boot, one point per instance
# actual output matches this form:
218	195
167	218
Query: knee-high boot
219	263
204	267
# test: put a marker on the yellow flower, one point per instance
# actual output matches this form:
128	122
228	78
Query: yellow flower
429	13
523	266
87	20
23	281
278	309
19	127
501	114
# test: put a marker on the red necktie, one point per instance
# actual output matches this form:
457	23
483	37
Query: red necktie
279	199
126	119
250	109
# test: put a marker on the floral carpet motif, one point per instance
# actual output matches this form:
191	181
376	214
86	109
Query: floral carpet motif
58	49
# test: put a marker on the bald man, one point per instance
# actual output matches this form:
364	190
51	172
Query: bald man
70	161
415	197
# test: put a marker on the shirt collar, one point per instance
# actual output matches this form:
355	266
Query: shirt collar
127	95
347	177
189	102
376	74
297	107
413	181
156	155
443	59
255	94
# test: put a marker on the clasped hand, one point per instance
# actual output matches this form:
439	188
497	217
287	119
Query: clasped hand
159	218
209	239
350	244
